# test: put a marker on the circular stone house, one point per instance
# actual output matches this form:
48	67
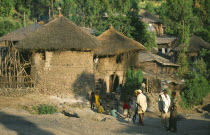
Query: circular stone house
113	58
61	57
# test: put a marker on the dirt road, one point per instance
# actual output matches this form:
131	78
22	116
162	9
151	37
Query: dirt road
19	122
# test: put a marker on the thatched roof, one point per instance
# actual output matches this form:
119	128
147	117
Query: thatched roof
114	43
165	40
147	17
60	34
196	44
148	56
20	34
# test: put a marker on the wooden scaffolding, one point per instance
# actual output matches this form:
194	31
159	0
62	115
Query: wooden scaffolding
13	68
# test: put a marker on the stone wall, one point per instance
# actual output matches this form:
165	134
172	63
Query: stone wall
107	66
16	92
65	71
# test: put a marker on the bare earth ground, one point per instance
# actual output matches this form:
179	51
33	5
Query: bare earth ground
19	122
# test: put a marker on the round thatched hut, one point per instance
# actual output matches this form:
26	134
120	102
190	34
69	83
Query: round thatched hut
61	57
113	58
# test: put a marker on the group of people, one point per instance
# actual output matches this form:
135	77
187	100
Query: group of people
109	102
137	106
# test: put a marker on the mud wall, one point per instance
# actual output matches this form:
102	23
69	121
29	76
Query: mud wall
59	72
107	66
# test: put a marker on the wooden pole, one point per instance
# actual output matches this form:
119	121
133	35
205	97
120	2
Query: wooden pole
147	84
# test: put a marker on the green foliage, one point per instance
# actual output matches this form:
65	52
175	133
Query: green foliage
177	14
201	8
179	19
46	109
6	8
200	66
8	25
197	88
205	54
184	68
122	14
134	80
149	40
150	7
120	23
140	32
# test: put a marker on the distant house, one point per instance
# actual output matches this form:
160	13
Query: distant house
156	64
156	69
60	57
154	23
165	43
196	44
113	58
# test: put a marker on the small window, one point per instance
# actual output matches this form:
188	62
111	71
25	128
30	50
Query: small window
160	50
119	59
43	55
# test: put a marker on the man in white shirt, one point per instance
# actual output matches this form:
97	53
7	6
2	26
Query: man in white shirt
141	105
166	101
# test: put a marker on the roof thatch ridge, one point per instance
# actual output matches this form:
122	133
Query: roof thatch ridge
60	34
119	44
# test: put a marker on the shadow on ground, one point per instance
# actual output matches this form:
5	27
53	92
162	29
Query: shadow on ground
152	127
20	125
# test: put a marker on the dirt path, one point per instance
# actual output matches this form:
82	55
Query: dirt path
19	122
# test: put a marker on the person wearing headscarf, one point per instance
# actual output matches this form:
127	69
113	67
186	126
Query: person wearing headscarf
141	105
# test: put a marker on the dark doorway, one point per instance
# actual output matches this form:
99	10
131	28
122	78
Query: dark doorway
113	83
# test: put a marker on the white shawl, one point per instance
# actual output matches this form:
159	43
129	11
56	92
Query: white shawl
142	101
166	102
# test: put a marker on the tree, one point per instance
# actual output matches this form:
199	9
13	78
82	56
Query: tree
140	32
177	14
178	17
8	25
133	82
6	8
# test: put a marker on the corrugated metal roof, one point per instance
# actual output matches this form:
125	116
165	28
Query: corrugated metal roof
165	40
148	56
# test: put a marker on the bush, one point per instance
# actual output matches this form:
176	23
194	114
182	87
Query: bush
197	88
134	80
46	109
